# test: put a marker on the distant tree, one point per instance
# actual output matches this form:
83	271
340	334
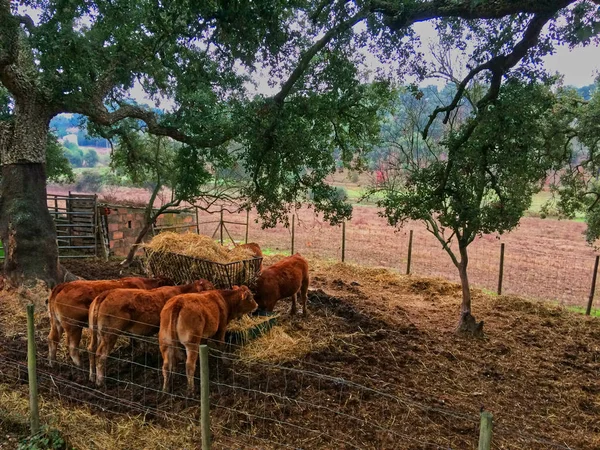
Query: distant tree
58	167
479	178
90	158
73	154
89	181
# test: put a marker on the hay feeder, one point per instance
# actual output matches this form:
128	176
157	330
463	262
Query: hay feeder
250	327
184	269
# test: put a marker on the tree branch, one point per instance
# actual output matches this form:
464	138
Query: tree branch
399	15
498	65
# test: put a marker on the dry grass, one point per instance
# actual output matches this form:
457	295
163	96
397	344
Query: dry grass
198	246
246	322
84	429
277	346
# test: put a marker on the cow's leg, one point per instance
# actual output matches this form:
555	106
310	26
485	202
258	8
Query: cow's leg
73	339
304	295
56	332
167	352
107	343
294	309
191	349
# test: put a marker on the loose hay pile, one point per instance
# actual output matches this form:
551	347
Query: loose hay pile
276	346
198	246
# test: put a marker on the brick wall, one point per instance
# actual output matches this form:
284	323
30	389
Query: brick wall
124	224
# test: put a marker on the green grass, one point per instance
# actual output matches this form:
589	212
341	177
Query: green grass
595	312
271	252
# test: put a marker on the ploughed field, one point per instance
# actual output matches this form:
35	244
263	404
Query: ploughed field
375	365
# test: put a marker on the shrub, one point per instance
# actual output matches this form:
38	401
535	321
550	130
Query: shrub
91	158
46	439
353	176
89	181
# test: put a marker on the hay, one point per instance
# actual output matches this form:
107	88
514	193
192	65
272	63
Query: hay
246	322
84	428
198	246
276	346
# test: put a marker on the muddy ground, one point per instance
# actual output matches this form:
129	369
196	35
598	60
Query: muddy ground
382	369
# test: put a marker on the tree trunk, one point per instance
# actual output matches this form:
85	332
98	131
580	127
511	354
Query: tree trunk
467	323
26	227
138	240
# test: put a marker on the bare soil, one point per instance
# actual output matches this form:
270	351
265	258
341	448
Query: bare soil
387	371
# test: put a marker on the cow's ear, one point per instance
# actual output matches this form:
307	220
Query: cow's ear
235	288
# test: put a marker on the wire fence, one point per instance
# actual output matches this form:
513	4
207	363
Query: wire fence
546	260
258	404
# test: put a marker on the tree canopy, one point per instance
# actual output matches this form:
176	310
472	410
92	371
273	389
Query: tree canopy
196	60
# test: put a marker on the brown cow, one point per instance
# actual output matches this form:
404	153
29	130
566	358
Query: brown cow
256	251
282	280
191	318
69	304
128	311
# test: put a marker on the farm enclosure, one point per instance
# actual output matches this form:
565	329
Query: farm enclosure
376	366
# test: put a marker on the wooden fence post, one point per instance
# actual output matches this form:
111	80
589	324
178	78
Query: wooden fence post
204	398
501	271
293	230
221	225
485	431
32	372
408	261
588	311
247	224
343	241
197	221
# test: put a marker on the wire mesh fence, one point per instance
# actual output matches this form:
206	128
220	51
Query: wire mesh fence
547	260
257	404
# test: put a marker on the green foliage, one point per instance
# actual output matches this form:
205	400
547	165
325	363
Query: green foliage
492	165
90	158
89	181
47	439
58	167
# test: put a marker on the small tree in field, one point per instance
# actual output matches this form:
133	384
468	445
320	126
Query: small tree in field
479	179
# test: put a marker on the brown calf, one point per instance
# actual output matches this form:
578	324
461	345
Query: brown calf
128	311
282	280
191	318
69	304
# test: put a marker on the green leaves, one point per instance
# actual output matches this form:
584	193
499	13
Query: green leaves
491	167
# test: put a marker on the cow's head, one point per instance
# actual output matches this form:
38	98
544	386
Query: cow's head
246	304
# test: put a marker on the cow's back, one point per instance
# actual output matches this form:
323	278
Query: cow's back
283	278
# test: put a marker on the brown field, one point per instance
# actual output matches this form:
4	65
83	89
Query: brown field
383	369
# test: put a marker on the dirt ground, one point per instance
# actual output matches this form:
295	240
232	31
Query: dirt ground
375	366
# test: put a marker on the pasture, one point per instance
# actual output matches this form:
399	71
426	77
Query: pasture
376	365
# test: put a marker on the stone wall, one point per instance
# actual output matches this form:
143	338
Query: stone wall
122	224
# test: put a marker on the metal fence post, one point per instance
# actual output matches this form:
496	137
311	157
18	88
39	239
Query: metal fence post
293	231
588	311
485	431
408	261
343	241
32	372
204	399
501	271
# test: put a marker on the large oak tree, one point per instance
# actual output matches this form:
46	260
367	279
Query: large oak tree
85	56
